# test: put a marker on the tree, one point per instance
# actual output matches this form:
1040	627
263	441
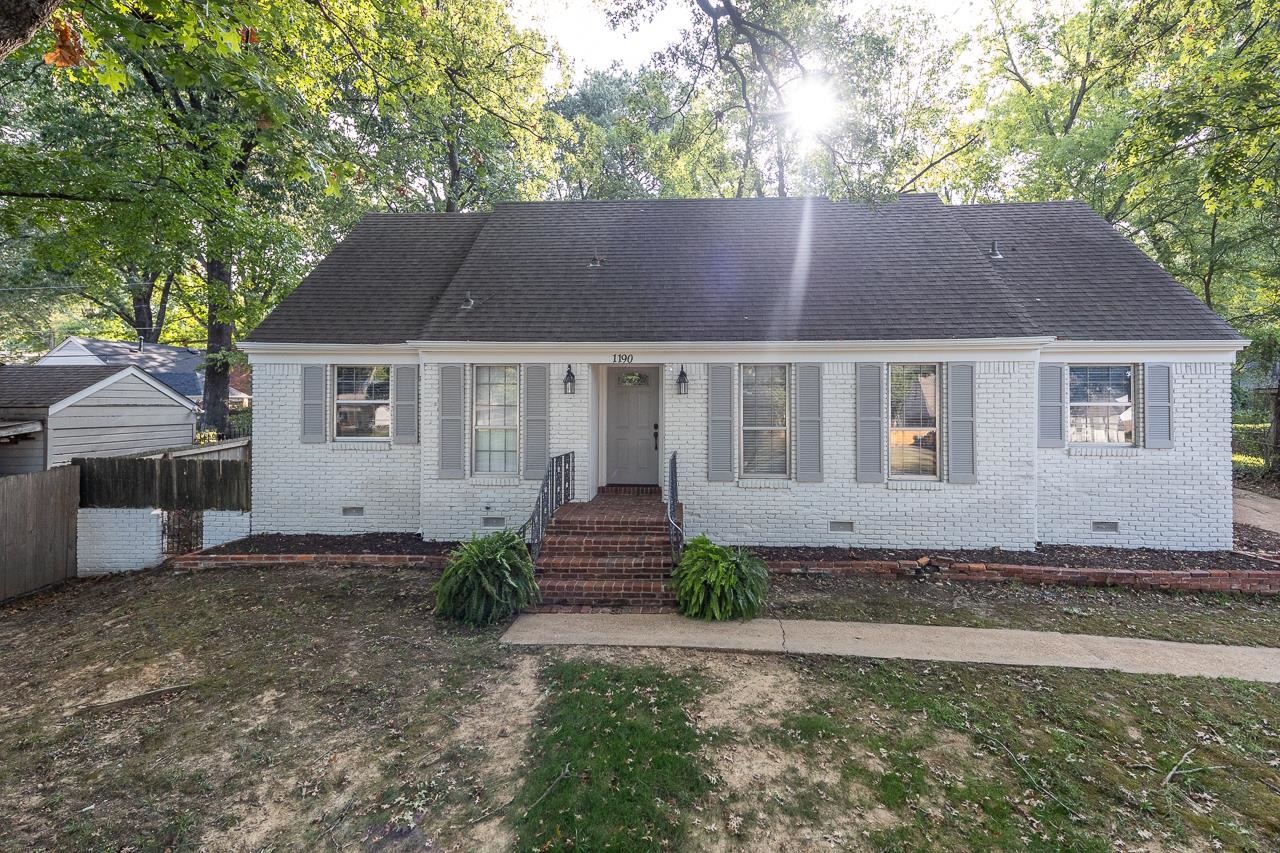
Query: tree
19	20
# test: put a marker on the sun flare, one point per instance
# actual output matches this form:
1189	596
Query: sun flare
811	107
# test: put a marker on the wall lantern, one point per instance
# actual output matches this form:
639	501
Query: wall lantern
682	382
569	380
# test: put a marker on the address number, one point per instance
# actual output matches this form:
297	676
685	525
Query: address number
623	358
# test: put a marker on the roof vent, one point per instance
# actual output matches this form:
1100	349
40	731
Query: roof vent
468	303
597	260
995	250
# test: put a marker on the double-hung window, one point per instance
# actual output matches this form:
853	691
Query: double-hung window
362	402
1101	409
497	404
764	420
913	420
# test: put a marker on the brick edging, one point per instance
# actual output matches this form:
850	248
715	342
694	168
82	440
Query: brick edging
1260	582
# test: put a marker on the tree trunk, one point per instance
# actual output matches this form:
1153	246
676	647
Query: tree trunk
19	20
217	368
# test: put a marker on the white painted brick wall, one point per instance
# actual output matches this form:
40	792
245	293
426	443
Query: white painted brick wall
997	510
117	540
224	526
1173	498
454	509
302	488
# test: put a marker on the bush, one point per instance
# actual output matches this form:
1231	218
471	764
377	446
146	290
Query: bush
487	580
714	582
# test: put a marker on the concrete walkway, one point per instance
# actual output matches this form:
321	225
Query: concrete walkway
914	642
1259	510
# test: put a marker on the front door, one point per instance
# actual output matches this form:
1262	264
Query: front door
632	428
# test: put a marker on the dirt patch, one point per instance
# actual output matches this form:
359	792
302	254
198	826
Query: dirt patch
1256	540
315	543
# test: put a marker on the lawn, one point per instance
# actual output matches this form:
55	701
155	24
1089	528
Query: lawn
328	708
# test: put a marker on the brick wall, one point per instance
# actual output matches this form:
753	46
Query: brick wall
1178	497
303	488
117	540
997	510
224	526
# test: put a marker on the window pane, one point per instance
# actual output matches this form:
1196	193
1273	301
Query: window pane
363	420
764	395
1101	408
497	398
913	420
764	451
363	383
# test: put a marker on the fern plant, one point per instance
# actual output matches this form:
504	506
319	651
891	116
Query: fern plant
488	579
718	583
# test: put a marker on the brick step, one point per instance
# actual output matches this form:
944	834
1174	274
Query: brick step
585	527
602	593
630	561
605	545
605	573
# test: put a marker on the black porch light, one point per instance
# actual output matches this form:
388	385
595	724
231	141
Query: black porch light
569	380
682	382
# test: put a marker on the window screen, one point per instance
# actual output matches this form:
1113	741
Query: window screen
913	420
497	396
362	402
1101	404
764	419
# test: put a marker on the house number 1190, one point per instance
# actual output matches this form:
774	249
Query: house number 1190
623	358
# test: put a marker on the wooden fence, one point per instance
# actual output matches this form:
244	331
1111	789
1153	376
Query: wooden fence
172	484
37	530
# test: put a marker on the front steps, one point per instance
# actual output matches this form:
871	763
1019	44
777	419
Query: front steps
611	552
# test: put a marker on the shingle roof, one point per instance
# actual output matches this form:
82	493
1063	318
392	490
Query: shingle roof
154	358
190	384
38	386
738	270
377	285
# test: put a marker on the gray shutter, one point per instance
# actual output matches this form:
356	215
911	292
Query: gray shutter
452	465
720	423
869	418
1051	414
809	423
961	431
314	403
405	404
1158	405
534	420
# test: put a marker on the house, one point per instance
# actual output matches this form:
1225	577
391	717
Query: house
50	414
181	368
824	373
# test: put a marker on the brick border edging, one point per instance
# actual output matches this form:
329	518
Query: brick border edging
1258	582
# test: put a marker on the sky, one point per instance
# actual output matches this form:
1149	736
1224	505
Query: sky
583	32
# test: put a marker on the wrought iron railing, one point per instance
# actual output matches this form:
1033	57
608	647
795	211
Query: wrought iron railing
556	491
675	533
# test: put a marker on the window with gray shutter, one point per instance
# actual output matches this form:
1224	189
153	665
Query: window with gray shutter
452	465
808	426
961	433
1157	402
535	420
1051	415
405	404
314	403
720	423
869	423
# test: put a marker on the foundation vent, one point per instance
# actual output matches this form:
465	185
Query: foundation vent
353	510
493	521
1106	527
840	526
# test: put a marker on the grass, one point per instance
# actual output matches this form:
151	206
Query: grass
616	762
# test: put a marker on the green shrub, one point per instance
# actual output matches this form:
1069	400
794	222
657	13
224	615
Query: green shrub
487	580
714	582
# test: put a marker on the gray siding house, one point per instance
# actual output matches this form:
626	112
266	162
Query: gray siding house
50	414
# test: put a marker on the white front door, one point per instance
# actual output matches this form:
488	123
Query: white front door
632	428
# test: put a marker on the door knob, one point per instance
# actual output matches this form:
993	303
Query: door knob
655	436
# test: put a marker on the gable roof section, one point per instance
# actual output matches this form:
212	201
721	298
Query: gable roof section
378	285
44	385
1078	278
153	358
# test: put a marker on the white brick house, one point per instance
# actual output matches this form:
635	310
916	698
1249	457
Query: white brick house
825	373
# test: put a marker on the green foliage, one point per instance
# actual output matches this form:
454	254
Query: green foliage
488	579
718	583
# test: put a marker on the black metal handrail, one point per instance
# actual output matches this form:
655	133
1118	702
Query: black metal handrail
675	533
556	491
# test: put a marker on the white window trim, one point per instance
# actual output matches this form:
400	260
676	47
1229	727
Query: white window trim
471	399
743	474
332	388
935	477
1133	403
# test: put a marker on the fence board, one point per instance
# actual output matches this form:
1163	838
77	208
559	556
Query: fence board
181	483
37	530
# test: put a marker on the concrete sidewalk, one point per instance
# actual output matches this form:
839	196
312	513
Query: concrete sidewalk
914	642
1255	509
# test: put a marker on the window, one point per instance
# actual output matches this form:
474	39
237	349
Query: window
362	402
1101	404
764	420
497	400
913	420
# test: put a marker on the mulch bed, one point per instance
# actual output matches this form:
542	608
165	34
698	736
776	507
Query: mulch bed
1247	538
315	543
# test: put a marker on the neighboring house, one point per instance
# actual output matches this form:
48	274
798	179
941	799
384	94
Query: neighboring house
181	368
908	374
50	414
